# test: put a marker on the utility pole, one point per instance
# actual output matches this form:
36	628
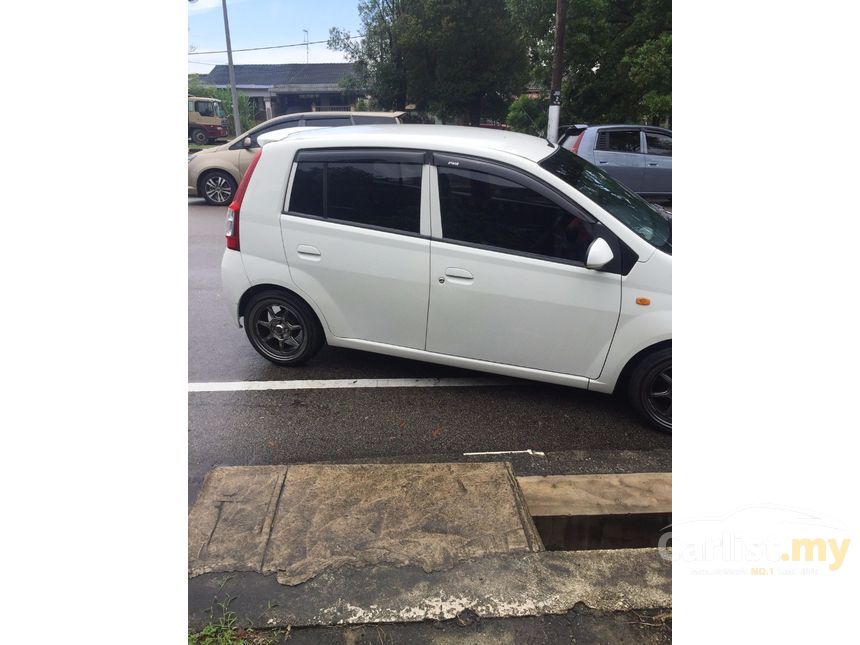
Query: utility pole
236	121
557	58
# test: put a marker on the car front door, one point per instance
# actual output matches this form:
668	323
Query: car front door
508	282
658	163
618	151
355	230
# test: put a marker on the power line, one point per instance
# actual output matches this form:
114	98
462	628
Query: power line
253	49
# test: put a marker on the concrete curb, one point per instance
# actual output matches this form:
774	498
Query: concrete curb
497	586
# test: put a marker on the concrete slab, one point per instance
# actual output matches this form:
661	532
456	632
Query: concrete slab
299	521
230	524
530	584
608	494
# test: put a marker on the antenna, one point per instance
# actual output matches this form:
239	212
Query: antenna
307	51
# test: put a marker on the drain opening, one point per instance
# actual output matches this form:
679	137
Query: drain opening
585	532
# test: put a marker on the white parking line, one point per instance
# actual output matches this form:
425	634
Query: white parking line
533	453
326	384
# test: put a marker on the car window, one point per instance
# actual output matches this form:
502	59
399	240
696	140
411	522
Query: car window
481	208
626	206
206	108
619	141
367	193
276	126
331	122
658	144
307	194
367	120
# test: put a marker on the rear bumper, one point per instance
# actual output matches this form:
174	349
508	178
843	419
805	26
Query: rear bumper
234	282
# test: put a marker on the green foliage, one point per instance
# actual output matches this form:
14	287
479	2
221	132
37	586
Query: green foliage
460	60
246	112
529	115
221	630
617	57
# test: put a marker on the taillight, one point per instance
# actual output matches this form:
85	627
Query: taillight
236	205
576	142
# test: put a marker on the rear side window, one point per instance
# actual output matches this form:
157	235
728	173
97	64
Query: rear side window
307	195
487	210
619	141
373	193
658	144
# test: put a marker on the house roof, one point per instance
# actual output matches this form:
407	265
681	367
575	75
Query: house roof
301	76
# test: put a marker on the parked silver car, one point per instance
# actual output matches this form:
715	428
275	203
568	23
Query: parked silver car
639	156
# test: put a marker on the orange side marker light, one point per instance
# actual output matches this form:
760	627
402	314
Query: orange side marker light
643	301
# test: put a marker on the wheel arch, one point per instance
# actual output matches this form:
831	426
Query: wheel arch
260	288
624	376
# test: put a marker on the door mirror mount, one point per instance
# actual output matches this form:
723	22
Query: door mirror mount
599	254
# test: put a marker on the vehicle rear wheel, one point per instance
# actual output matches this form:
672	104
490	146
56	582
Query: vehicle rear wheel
218	188
282	328
650	389
198	137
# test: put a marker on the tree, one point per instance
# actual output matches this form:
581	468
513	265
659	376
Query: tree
459	60
618	59
528	115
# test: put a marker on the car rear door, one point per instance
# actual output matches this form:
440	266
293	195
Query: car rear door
658	163
355	230
508	282
619	152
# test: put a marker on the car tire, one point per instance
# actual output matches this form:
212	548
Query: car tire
217	187
283	328
198	137
650	389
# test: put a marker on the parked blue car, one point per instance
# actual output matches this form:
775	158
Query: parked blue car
639	156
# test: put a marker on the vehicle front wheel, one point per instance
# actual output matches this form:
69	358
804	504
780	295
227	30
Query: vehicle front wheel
218	188
650	389
198	137
282	328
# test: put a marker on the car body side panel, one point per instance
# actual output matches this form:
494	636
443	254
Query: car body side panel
639	327
371	284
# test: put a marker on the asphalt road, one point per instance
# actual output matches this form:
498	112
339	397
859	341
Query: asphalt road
576	429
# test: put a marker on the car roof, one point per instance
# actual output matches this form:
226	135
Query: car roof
432	137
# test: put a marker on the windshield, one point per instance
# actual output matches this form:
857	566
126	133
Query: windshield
626	206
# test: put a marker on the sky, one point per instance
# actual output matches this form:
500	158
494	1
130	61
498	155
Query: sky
262	23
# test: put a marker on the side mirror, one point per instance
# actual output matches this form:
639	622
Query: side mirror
599	254
247	142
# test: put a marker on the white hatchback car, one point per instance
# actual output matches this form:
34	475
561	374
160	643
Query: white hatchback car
480	249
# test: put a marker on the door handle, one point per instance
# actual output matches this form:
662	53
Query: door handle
458	275
653	163
602	162
308	252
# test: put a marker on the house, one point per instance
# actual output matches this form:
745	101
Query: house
286	88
